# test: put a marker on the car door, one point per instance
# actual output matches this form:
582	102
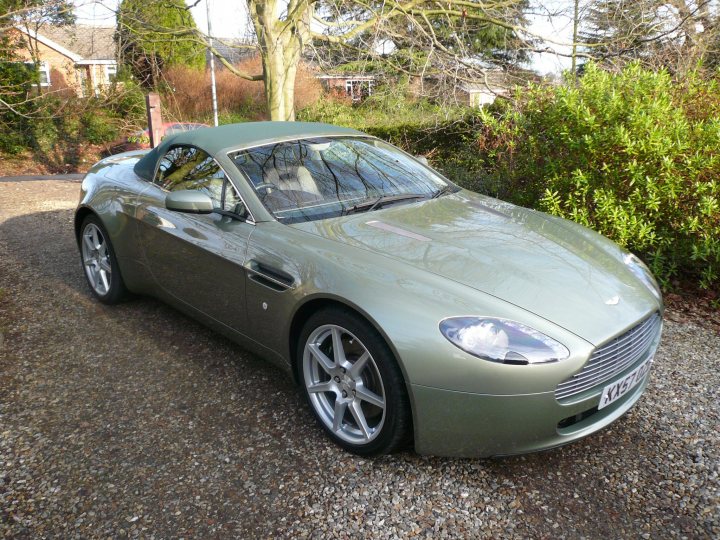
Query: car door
197	259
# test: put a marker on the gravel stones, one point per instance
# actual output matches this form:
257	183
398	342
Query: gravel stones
135	421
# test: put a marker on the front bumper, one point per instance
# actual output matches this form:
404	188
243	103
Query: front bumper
461	424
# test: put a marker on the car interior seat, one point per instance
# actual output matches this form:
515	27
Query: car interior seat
294	178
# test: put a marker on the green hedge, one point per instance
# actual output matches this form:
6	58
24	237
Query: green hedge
634	155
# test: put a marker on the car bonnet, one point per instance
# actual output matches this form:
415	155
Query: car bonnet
566	275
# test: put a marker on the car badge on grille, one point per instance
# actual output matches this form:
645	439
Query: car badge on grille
613	301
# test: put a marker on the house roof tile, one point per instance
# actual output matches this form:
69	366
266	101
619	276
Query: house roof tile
89	42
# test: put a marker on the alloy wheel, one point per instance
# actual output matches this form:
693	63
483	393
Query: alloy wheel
96	259
344	384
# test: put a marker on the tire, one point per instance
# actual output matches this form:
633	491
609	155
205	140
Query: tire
99	262
358	397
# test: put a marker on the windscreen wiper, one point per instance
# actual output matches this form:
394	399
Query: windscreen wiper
369	206
442	191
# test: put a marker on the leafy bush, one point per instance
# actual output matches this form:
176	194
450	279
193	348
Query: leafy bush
98	127
16	85
126	98
58	130
633	155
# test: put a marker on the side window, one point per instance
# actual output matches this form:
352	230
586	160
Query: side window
187	167
232	201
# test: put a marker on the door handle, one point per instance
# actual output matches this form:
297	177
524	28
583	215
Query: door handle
269	276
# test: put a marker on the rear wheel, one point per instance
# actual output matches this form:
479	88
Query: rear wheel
353	383
99	262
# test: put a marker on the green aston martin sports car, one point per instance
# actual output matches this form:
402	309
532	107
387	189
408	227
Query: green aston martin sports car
407	309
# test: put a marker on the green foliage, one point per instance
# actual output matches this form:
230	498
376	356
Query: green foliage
633	155
152	36
17	80
126	97
98	127
383	108
57	12
18	105
230	118
57	130
493	42
487	30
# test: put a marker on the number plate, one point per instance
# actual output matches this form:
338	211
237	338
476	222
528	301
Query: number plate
616	390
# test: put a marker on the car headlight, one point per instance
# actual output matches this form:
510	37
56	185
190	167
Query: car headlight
502	340
642	272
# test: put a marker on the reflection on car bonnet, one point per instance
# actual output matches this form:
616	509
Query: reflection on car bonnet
398	230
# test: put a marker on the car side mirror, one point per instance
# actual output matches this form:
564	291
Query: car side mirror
422	159
189	201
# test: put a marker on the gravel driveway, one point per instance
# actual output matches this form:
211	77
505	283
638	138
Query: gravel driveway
136	421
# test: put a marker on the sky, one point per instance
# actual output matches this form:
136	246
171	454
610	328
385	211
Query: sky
229	19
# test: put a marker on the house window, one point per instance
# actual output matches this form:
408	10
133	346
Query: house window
358	89
83	81
43	72
110	74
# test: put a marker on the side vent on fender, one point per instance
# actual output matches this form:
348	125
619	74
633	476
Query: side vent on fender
269	277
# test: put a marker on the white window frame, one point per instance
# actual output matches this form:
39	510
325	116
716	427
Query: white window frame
43	68
110	69
350	87
81	76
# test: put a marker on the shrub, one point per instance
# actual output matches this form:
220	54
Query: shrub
98	127
16	86
126	98
632	155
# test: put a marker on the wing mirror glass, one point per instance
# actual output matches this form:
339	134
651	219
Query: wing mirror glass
189	201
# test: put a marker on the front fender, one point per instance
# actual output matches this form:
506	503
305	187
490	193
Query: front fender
405	304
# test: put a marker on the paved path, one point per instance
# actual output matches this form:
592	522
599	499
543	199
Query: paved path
31	178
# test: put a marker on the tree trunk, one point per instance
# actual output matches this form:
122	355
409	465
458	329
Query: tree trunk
281	42
279	71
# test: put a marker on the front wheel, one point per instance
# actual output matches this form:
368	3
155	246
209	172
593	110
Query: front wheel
99	262
353	383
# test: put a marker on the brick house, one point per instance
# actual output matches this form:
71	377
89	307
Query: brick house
355	86
78	58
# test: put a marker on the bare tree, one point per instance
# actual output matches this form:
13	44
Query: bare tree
674	34
284	30
32	15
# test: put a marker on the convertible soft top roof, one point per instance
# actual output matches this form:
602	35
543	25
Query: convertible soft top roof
216	139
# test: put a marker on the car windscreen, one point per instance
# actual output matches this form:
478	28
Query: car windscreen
310	179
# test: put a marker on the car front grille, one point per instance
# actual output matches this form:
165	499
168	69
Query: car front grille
612	358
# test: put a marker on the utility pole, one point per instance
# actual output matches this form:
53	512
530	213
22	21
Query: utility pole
212	66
